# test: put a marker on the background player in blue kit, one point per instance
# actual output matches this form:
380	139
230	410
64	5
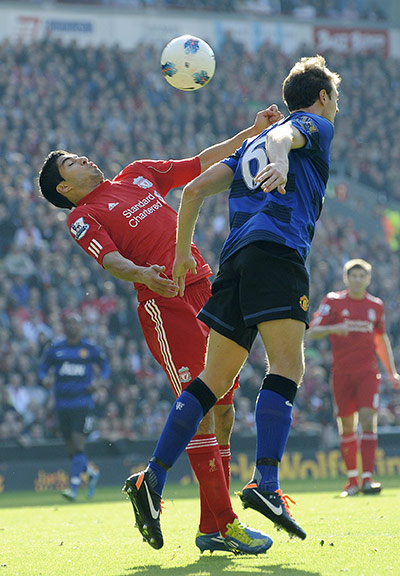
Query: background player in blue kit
277	183
72	361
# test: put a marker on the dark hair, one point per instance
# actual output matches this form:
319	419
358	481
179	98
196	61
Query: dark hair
304	82
50	177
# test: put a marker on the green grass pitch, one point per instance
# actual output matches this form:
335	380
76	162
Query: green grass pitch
41	535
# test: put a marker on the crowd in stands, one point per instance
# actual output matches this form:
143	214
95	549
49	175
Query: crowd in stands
347	10
114	107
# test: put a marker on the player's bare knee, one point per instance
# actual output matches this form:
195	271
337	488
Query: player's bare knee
292	371
368	420
218	384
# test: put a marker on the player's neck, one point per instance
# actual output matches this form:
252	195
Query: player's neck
356	295
78	194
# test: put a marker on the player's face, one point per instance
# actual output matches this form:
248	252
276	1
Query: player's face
73	329
358	280
78	171
331	105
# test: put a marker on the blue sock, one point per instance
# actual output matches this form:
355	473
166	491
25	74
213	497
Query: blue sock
273	419
183	421
78	466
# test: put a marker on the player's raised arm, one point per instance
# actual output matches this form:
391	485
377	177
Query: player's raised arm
264	119
215	180
279	142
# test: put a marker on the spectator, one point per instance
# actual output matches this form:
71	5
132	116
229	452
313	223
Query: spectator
120	110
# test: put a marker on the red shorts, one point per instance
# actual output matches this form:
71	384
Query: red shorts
176	338
354	391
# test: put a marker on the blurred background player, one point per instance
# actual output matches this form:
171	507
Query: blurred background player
72	363
355	322
277	183
128	227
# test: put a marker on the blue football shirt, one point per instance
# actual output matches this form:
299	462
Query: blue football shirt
73	367
285	219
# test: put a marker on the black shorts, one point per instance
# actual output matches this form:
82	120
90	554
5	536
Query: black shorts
74	420
263	281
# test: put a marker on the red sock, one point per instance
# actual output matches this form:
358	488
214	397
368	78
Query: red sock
226	462
215	502
348	446
369	443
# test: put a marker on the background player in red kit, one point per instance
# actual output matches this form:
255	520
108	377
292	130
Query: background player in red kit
354	320
128	227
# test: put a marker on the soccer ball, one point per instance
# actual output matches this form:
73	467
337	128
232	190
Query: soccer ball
187	63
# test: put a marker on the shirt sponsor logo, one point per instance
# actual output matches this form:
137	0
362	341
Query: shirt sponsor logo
79	228
158	195
71	369
148	205
359	326
143	204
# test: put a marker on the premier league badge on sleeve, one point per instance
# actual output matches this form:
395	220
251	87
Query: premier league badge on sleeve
79	228
308	124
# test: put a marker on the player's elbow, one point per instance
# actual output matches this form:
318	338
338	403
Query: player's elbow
193	192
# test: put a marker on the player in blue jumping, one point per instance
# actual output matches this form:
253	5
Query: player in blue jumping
73	360
277	184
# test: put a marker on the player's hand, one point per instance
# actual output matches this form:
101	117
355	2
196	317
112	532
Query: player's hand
273	176
265	118
181	267
158	282
395	380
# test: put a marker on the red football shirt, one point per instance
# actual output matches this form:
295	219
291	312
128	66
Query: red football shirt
365	318
129	214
